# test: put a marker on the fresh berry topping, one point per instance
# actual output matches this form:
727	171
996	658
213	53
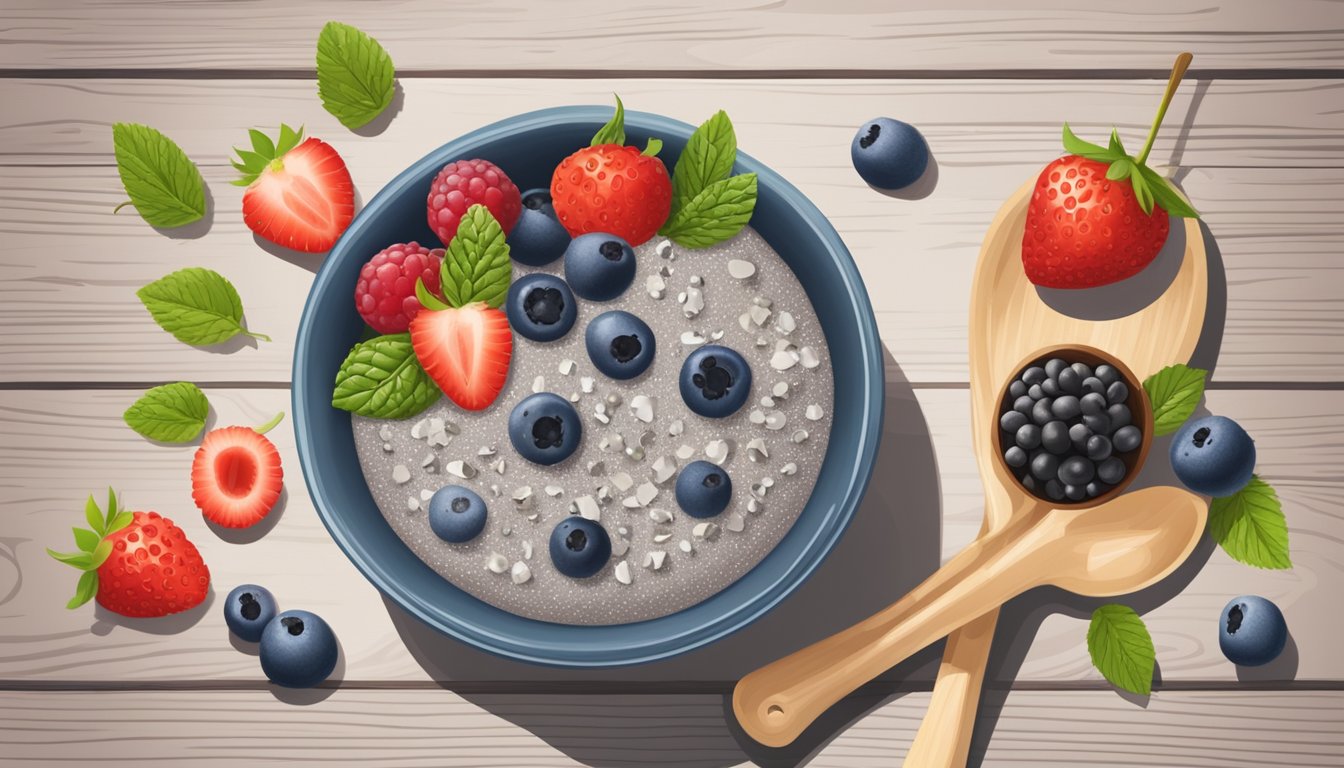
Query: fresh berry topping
456	514
1213	456
466	351
889	154
385	293
464	183
541	307
620	345
599	266
715	381
236	476
1251	631
538	238
298	650
579	547
545	429
247	611
703	489
299	195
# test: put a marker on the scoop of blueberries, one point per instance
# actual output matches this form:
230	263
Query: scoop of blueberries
1065	427
297	648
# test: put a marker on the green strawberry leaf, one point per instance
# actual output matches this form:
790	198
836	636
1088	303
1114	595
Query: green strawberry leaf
1142	193
85	589
101	553
198	306
172	413
94	516
1115	146
252	163
716	214
1250	526
476	265
355	75
1166	194
86	540
1174	392
1076	146
614	131
289	139
1121	648
427	300
382	378
1120	169
261	143
653	148
708	158
112	508
122	520
165	187
81	560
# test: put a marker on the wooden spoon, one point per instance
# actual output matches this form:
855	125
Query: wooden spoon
1114	548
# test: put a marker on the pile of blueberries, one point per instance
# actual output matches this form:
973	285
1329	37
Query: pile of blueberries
297	648
1065	427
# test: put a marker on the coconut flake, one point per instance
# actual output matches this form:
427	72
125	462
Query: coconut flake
784	323
412	504
782	360
586	384
499	466
775	420
400	474
655	285
788	469
497	563
717	451
685	452
660	516
813	412
799	435
705	531
691	338
566	367
758	315
756	450
462	469
655	559
520	573
646	493
623	572
527	550
587	508
781	389
808	357
756	417
642	408
740	269
420	429
685	546
735	523
676	427
485	450
695	302
664	467
554	490
664	250
661	538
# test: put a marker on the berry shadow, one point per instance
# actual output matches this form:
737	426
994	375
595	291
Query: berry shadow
1281	669
105	621
920	188
196	229
892	544
256	531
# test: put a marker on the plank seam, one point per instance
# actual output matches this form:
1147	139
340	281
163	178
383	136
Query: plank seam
304	73
20	386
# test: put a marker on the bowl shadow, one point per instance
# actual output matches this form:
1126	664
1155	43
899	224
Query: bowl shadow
892	544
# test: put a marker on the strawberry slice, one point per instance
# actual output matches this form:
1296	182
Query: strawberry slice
236	475
299	195
465	350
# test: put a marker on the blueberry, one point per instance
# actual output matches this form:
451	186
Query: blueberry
541	307
1053	366
1076	470
1100	424
620	344
1075	492
1070	383
703	489
298	650
1251	631
599	266
1117	392
1119	415
1093	403
1012	421
1055	437
1017	389
1028	437
1023	405
1051	388
247	611
1015	457
1045	466
456	514
1035	392
1094	489
544	428
1108	374
1066	407
715	381
537	238
1127	438
1055	490
1083	370
579	547
1213	456
1093	386
889	154
1042	412
1033	375
1078	437
1098	447
1111	471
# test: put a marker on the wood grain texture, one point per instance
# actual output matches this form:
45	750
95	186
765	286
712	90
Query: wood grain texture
440	729
70	267
56	446
694	35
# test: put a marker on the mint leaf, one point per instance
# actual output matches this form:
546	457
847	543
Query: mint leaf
1121	649
355	76
172	413
1250	526
164	185
84	590
198	306
1174	393
1166	194
716	214
476	264
614	131
708	157
383	379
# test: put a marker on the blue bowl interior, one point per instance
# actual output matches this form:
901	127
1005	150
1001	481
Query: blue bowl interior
527	147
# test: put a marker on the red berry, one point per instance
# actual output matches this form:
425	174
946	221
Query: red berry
613	189
153	570
299	197
466	351
1084	230
236	477
464	183
385	293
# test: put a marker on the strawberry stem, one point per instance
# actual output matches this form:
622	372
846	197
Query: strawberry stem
1177	72
268	426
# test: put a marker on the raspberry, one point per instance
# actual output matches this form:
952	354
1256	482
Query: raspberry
464	183
385	293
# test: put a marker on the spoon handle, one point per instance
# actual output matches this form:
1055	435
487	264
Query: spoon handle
944	737
777	702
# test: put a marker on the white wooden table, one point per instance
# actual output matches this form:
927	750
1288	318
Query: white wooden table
1258	140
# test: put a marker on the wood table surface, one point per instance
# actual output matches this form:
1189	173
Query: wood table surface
1255	137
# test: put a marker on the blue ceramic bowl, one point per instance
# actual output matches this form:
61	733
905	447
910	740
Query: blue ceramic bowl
528	147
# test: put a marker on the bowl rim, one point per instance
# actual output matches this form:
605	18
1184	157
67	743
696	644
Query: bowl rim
604	645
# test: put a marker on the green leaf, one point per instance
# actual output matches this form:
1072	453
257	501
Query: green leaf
172	413
164	185
716	214
427	300
653	147
261	143
1076	146
1166	194
1120	169
1141	191
94	516
1250	526
614	131
81	560
1174	393
708	158
1121	648
355	76
112	507
476	265
122	520
289	139
101	553
85	589
198	306
86	540
1115	146
382	378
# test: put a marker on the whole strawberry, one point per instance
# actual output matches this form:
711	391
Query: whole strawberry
463	183
138	564
1098	215
299	192
609	187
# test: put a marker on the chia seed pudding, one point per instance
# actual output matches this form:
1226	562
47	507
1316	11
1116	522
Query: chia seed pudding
637	435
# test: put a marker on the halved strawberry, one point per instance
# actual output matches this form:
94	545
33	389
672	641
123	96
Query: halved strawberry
236	475
299	195
466	351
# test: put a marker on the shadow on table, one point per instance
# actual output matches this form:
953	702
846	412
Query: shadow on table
891	545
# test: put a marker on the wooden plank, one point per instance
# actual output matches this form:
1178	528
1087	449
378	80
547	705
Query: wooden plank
49	437
441	729
694	35
71	267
